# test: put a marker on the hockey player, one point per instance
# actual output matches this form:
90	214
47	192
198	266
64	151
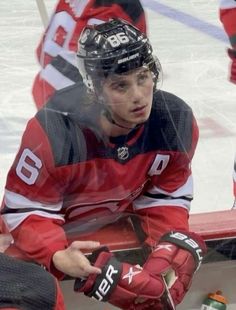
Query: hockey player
228	18
26	286
56	51
117	147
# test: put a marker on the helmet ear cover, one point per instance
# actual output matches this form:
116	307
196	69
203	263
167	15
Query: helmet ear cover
115	47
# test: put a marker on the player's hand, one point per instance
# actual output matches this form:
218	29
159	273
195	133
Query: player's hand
232	55
177	256
124	285
73	262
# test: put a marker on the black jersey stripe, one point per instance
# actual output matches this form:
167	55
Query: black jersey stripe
66	68
6	210
167	197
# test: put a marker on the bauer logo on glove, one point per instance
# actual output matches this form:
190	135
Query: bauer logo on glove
124	285
185	241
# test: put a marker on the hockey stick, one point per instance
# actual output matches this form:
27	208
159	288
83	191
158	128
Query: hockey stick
43	12
167	299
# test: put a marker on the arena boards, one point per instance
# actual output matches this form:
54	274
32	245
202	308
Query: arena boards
218	271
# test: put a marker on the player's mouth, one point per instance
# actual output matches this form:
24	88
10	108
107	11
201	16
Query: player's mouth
139	110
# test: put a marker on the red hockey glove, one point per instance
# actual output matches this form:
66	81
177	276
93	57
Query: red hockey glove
177	256
232	55
121	284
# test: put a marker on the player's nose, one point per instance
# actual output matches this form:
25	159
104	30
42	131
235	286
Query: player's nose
137	94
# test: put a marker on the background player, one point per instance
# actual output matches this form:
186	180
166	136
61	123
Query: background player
56	50
115	148
25	285
228	18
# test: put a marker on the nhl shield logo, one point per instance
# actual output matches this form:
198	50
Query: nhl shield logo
123	152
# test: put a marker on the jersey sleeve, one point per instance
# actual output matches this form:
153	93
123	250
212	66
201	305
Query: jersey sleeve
165	205
227	13
32	204
56	50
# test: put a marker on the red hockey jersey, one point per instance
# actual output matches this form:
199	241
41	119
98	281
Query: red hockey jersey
68	176
228	18
56	51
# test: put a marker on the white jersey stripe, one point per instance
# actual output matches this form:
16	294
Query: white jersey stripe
15	219
17	201
56	79
175	198
184	190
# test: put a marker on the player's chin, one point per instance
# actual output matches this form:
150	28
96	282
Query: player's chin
141	118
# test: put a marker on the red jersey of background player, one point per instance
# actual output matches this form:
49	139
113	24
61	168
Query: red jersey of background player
67	172
228	18
56	51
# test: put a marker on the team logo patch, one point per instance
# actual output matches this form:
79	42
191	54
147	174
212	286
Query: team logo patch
132	273
123	152
167	247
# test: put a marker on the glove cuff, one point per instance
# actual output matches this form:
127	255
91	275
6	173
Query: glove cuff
188	241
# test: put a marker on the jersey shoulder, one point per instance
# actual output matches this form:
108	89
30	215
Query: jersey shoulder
59	120
171	121
133	8
163	99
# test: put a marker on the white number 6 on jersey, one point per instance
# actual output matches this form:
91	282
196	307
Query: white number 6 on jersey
28	172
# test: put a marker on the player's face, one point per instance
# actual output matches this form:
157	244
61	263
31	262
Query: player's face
129	96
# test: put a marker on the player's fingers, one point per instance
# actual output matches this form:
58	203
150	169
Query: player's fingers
86	268
5	241
91	269
89	245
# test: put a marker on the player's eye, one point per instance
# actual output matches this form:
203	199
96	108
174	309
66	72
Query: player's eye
143	76
120	86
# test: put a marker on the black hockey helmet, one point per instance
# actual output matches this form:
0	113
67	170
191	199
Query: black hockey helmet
114	47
